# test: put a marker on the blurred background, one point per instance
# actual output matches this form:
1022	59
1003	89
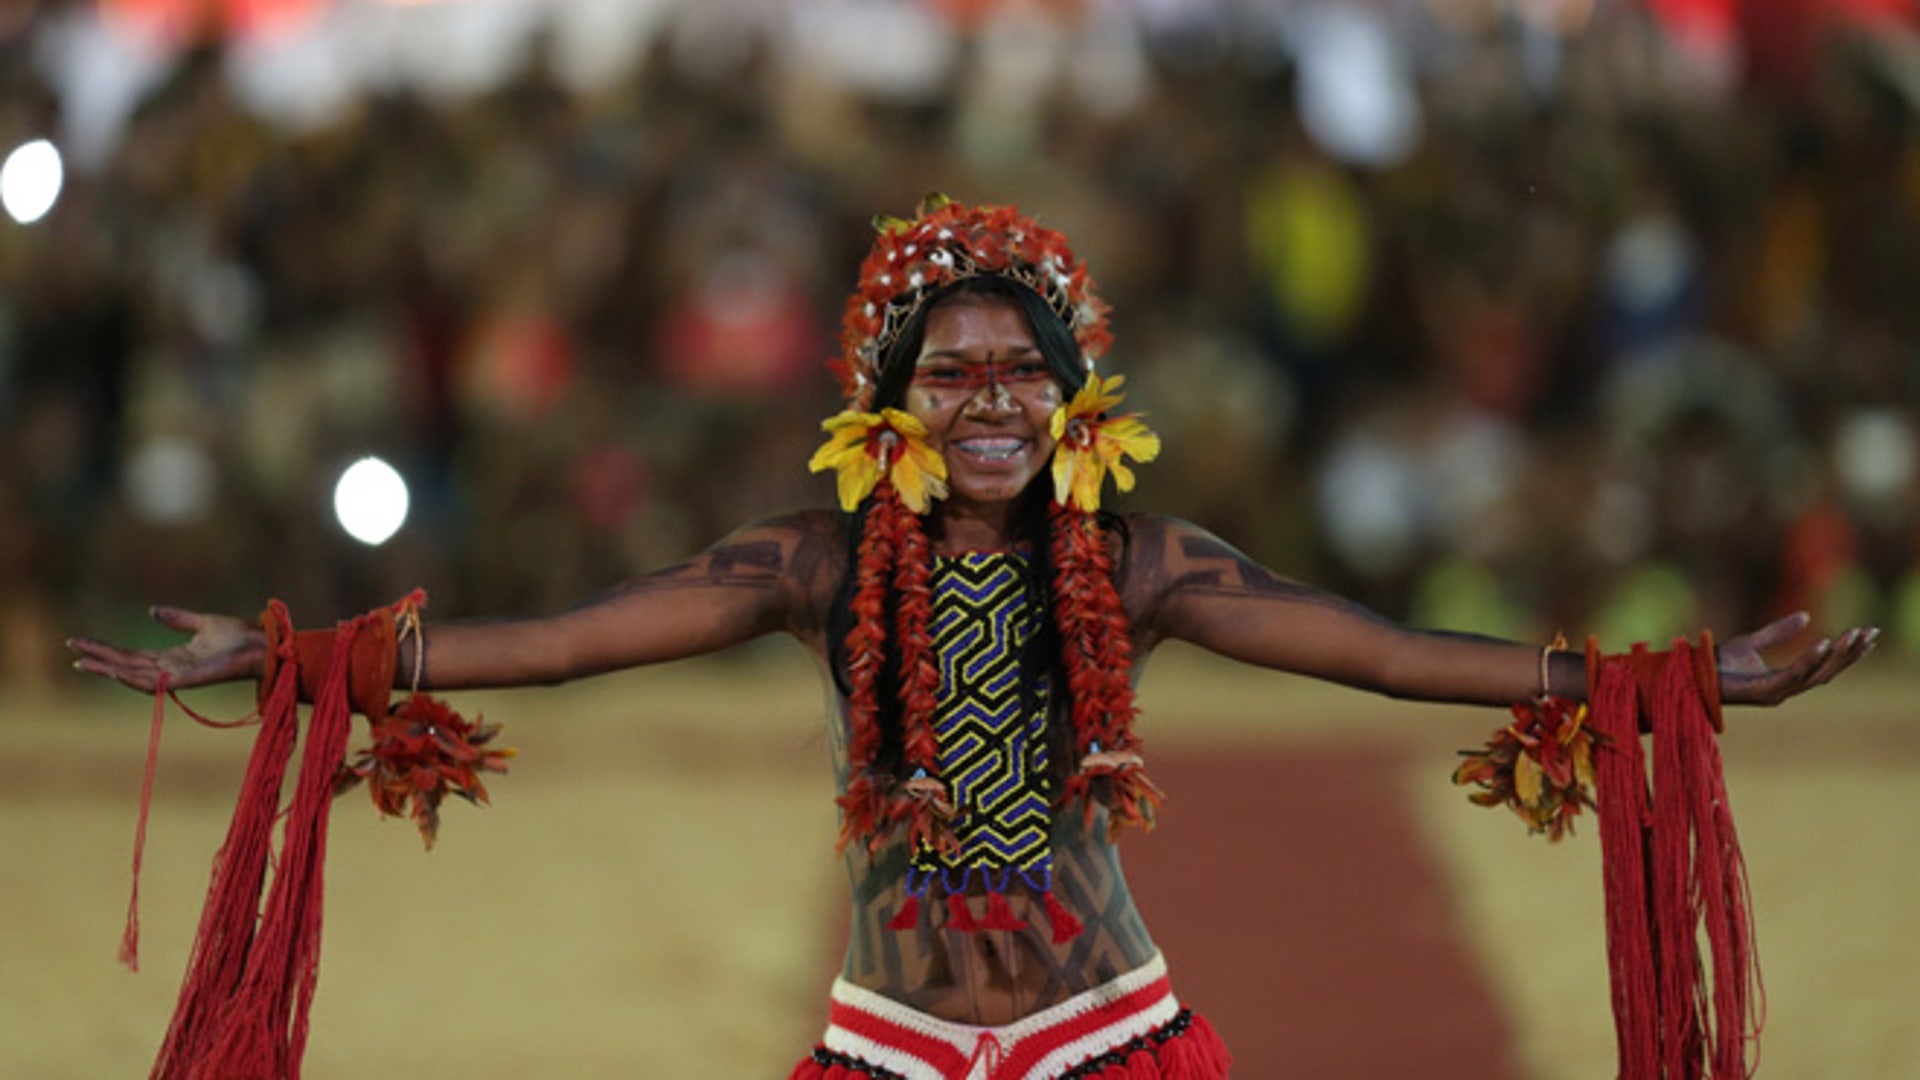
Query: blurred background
1509	315
1503	315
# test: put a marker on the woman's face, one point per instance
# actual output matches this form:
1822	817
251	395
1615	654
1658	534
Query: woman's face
986	394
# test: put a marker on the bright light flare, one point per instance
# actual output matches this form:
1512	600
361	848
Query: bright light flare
370	501
30	181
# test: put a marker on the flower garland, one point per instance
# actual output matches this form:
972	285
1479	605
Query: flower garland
1089	444
863	446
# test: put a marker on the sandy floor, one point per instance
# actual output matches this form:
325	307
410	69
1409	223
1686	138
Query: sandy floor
653	892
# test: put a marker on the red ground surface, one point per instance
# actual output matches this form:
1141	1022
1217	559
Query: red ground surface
1300	912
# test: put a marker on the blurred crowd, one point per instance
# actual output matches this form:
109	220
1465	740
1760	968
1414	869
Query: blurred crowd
1590	332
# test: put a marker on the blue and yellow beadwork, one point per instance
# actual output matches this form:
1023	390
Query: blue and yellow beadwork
992	732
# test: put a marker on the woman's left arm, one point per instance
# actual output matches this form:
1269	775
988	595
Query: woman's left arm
1187	584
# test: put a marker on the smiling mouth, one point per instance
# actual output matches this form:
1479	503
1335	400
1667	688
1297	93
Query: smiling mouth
994	449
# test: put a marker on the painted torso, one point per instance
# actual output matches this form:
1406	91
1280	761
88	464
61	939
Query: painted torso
994	757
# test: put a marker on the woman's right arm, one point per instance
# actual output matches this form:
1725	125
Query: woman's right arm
770	576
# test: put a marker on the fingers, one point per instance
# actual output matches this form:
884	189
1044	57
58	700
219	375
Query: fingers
1784	682
173	618
139	669
1813	667
129	668
111	656
1779	631
1848	649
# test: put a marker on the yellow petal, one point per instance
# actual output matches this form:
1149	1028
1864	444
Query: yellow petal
929	460
1122	476
1058	425
1144	447
835	452
857	478
1062	474
1131	437
1527	779
1087	401
850	420
1086	487
909	481
905	423
1582	761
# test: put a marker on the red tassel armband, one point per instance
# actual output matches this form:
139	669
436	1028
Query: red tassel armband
1643	752
242	1009
422	750
1541	766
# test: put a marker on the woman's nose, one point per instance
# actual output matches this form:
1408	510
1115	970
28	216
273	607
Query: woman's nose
992	397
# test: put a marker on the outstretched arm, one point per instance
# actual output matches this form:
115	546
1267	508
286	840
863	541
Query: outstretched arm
1185	583
763	578
758	580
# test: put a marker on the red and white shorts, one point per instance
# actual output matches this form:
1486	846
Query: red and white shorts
1133	1026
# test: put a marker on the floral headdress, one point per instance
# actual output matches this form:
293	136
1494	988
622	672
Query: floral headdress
948	242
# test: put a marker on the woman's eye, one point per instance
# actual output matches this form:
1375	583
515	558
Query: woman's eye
1029	371
944	376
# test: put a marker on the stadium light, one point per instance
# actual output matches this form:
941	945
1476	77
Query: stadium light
30	181
370	501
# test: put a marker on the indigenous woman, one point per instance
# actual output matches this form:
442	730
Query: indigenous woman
982	620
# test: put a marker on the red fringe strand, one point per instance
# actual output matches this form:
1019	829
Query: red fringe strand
999	915
1673	870
218	959
959	916
130	936
242	1011
908	917
1065	926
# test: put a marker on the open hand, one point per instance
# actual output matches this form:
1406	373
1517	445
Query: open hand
1746	678
222	649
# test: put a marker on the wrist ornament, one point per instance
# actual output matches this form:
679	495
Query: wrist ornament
1642	752
242	1009
422	749
1541	766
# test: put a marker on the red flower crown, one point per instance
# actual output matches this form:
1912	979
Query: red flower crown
948	242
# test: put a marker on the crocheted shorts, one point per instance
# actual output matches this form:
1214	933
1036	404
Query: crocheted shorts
1133	1026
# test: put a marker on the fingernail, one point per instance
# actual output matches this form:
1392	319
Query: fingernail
1873	634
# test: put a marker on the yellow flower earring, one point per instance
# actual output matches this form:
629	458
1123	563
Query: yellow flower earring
1089	444
863	446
